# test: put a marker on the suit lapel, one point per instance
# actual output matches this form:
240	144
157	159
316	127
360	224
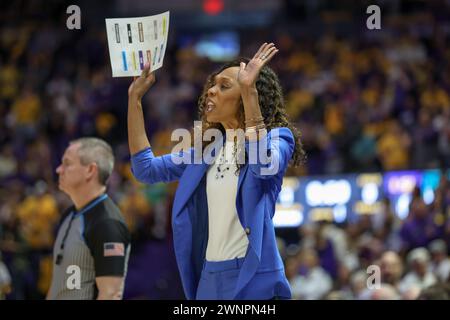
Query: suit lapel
239	204
190	179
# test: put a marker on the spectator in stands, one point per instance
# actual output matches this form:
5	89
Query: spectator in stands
440	291
419	277
358	284
419	229
391	268
326	252
385	292
440	262
5	279
393	147
312	281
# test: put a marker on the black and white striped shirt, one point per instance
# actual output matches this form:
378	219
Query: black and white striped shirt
97	243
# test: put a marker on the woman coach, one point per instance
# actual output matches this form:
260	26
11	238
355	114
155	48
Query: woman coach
224	237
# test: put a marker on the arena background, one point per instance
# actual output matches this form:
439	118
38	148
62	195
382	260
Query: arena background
373	107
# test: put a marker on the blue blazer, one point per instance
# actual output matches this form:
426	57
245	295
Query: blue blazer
262	274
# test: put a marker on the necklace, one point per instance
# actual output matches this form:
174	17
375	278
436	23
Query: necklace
224	165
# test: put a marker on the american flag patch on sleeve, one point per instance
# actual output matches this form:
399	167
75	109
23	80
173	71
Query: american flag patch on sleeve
113	249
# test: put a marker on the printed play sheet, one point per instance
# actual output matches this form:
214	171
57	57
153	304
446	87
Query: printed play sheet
133	42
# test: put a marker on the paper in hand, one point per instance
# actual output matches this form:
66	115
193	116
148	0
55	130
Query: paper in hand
133	42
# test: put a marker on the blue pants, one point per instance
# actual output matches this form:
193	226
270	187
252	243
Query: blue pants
218	279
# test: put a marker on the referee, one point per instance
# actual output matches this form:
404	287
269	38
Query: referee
92	247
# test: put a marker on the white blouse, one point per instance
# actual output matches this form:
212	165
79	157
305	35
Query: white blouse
227	238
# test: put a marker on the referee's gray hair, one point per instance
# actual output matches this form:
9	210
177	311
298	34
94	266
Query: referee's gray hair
98	151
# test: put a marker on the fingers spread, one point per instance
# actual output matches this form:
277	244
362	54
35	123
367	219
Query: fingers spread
267	49
271	54
260	50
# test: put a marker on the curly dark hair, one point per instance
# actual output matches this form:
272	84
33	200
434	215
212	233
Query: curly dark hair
271	102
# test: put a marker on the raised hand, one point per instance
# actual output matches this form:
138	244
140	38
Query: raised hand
141	84
248	73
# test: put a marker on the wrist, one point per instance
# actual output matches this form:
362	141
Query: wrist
249	89
134	98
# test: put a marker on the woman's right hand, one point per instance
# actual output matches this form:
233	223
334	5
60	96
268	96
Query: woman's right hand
140	85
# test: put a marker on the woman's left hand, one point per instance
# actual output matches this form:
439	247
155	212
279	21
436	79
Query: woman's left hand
248	73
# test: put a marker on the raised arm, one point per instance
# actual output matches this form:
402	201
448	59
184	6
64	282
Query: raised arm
137	138
145	166
271	153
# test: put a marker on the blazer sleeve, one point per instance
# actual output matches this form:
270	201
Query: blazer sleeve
270	155
149	169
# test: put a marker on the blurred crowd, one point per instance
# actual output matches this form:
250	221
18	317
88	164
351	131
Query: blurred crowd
379	257
362	102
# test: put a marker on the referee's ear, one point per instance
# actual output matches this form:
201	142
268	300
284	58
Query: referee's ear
92	172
